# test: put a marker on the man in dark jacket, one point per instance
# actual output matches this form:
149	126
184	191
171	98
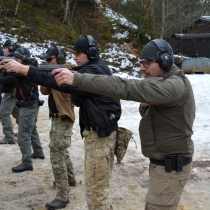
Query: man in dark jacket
98	118
28	101
168	112
8	107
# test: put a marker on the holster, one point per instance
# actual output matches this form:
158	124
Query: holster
173	162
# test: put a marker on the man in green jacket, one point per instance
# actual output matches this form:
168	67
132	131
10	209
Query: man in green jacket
168	111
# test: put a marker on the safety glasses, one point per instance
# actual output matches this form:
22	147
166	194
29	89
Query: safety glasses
146	63
77	54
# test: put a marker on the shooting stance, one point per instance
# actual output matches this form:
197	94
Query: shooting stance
62	115
98	119
168	111
28	101
8	103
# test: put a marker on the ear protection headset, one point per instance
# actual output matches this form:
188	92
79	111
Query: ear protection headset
165	59
24	55
92	51
60	53
11	47
60	57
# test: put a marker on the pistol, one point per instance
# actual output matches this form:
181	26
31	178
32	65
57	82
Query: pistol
50	68
1	59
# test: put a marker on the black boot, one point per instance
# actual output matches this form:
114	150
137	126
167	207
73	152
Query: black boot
21	168
56	204
71	184
2	141
41	156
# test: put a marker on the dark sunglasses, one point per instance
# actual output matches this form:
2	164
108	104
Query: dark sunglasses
49	59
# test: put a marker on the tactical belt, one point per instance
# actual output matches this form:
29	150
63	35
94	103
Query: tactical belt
173	163
54	115
24	104
29	103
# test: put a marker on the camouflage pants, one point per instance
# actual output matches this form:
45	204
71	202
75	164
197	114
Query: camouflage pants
63	171
99	159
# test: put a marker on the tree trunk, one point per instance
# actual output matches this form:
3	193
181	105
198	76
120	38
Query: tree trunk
16	8
1	7
163	19
65	19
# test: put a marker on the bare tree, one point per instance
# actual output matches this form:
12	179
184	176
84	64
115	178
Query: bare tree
163	19
17	6
1	7
65	19
173	15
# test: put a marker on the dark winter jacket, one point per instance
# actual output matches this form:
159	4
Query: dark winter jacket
8	82
27	92
97	112
166	125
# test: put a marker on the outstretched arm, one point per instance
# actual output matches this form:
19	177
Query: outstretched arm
62	75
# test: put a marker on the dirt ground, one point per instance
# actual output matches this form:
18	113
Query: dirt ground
129	183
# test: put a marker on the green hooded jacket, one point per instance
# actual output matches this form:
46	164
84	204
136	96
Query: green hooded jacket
166	125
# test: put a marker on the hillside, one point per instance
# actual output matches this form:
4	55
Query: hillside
38	21
41	24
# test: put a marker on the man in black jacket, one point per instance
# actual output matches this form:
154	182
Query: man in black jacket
98	118
8	102
28	101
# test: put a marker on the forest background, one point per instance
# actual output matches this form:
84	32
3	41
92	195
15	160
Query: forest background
38	23
64	21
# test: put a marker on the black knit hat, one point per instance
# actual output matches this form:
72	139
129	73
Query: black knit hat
150	50
82	45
